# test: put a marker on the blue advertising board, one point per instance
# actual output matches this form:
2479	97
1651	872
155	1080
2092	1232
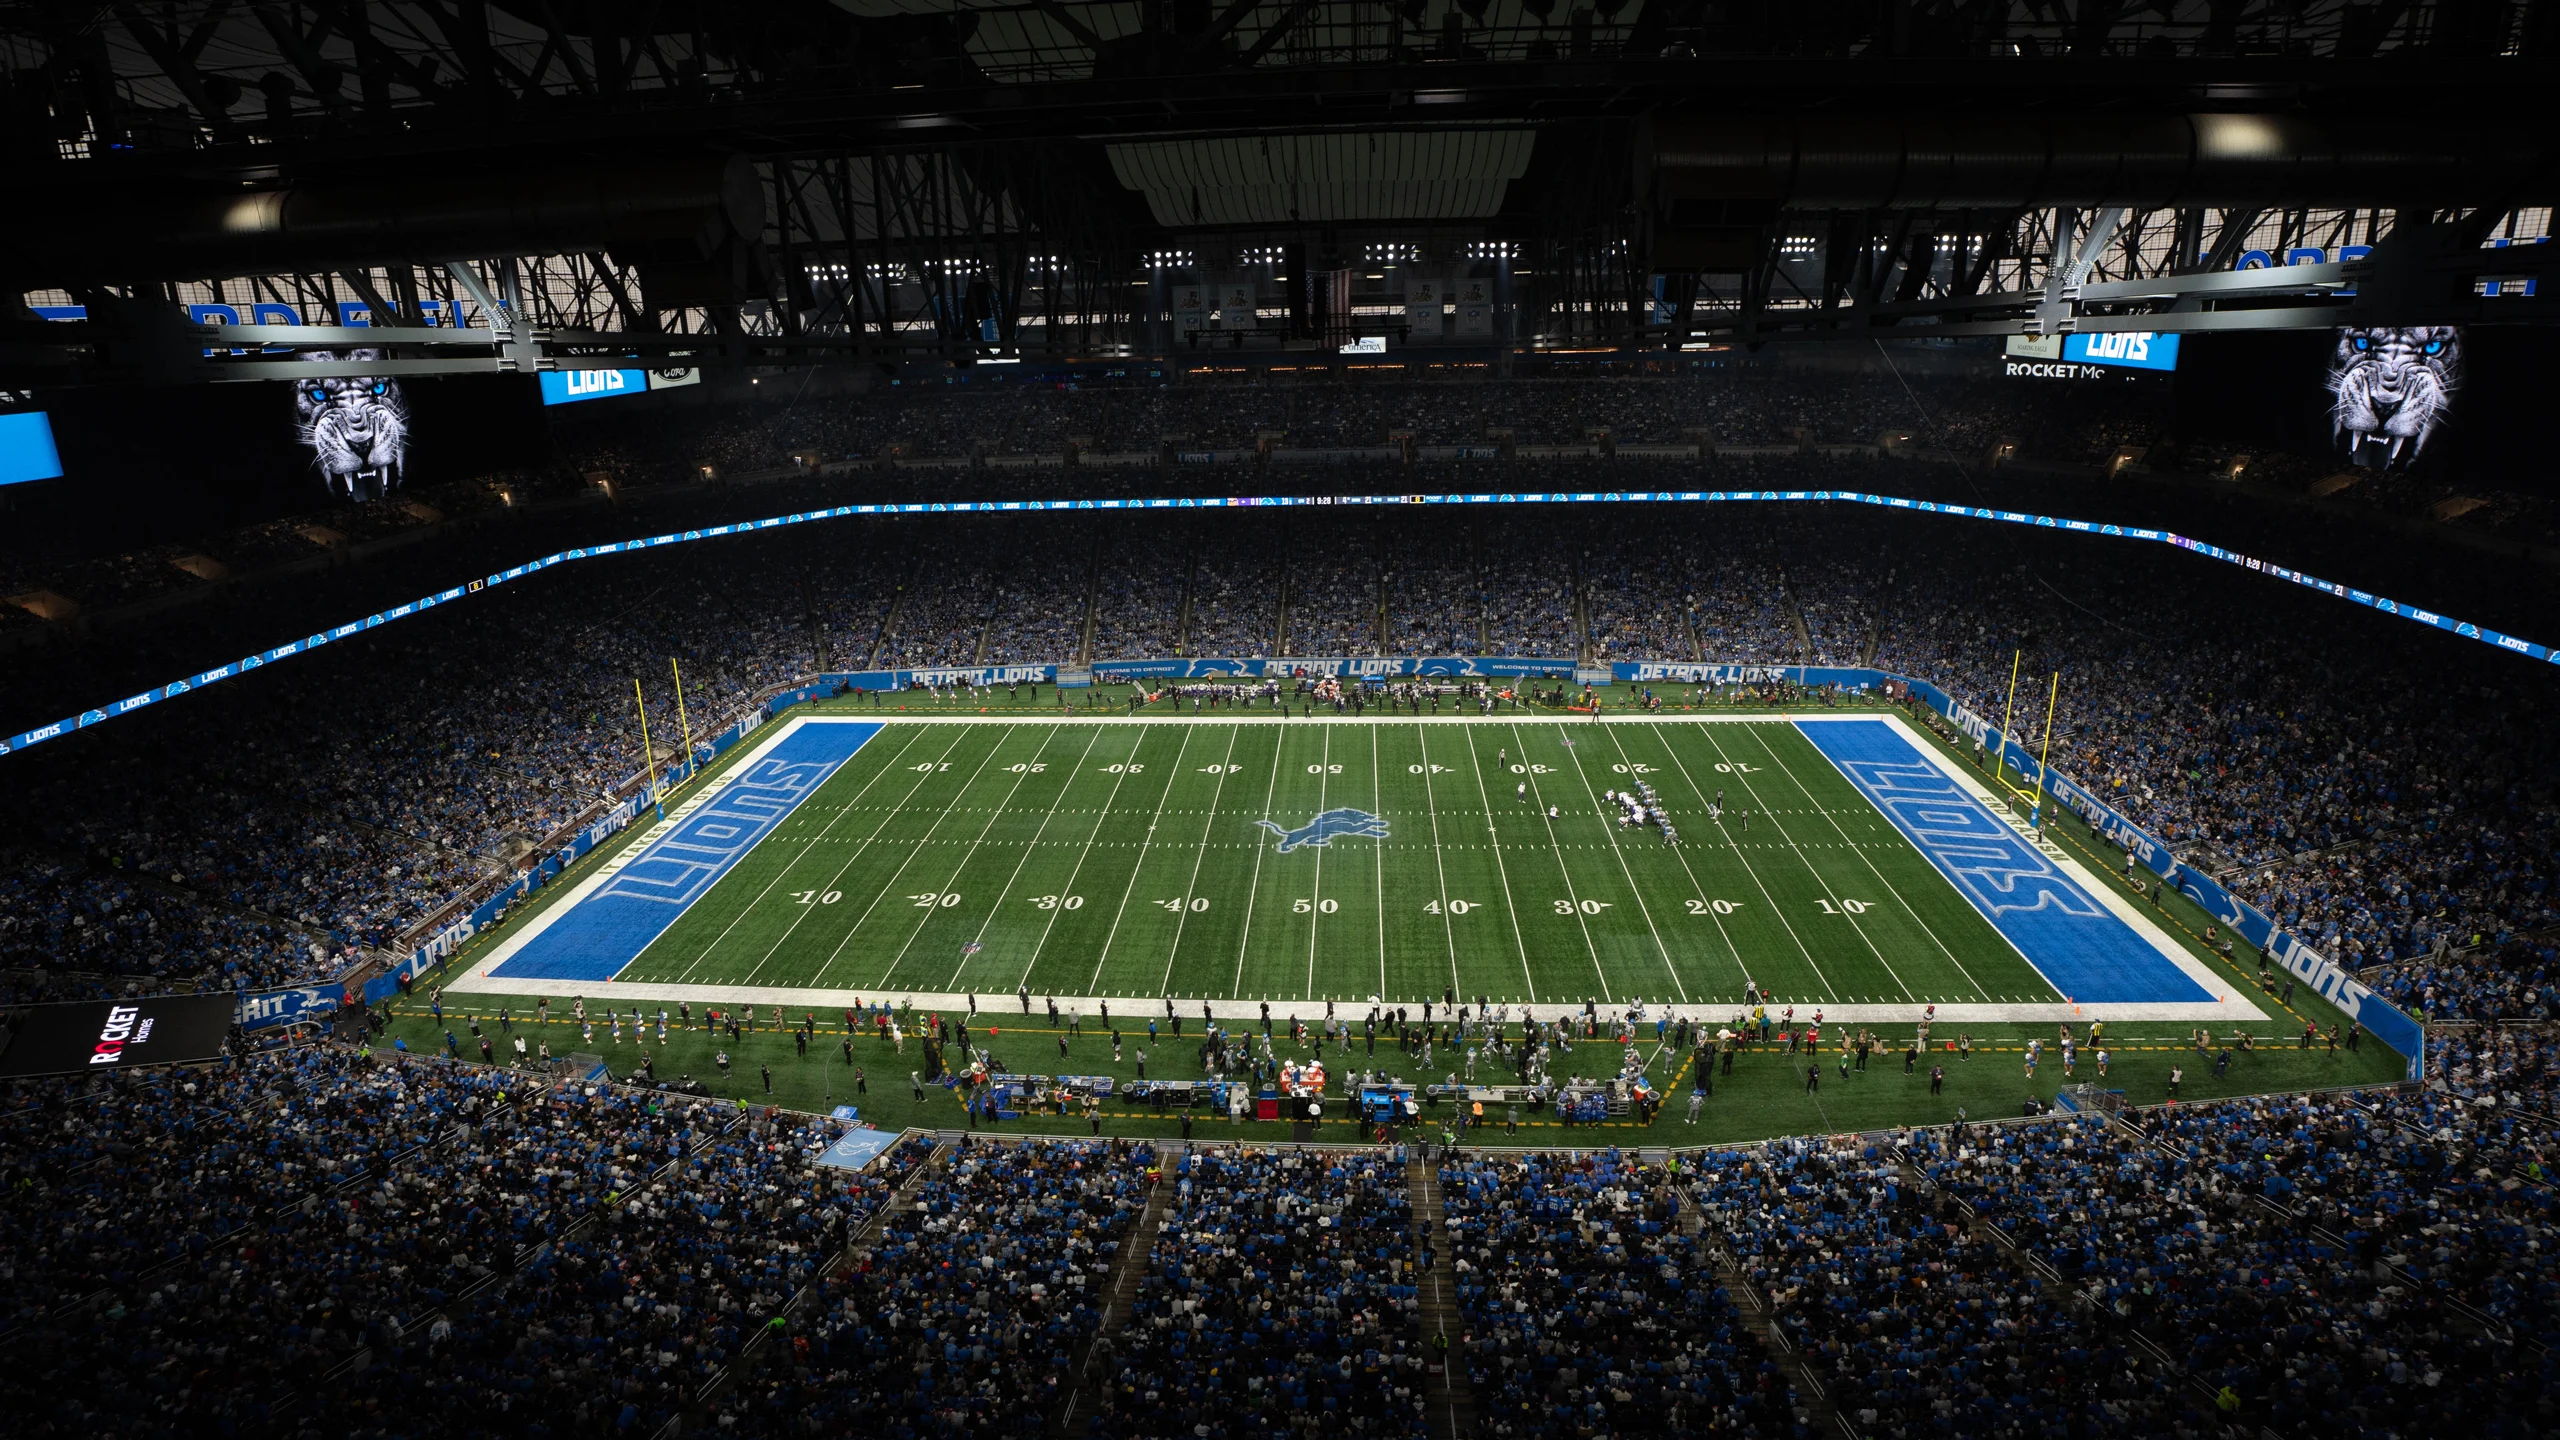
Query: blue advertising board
2123	349
1479	667
269	1008
26	448
568	387
2387	1022
2512	644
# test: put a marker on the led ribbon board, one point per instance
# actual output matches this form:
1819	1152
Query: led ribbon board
2533	650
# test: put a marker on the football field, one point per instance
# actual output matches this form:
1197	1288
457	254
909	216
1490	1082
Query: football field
1296	862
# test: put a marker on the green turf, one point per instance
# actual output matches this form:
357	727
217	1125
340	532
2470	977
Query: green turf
1764	1095
1123	860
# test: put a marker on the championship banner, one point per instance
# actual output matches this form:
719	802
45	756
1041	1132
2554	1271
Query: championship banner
1190	310
1422	305
1236	307
1475	310
91	1037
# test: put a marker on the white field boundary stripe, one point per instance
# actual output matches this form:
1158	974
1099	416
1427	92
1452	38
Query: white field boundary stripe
1577	720
640	841
1895	1014
2233	1006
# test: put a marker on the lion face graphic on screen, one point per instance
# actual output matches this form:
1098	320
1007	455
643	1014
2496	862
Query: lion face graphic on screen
2390	390
357	427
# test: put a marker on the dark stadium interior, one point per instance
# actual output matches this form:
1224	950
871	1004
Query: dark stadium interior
451	451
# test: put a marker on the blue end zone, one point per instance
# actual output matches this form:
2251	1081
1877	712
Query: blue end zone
2082	947
609	928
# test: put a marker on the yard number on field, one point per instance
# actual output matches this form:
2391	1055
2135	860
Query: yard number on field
1587	907
1712	907
1057	902
1193	903
812	897
1853	907
1455	907
935	899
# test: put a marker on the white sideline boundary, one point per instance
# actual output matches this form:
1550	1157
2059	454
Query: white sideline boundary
995	1006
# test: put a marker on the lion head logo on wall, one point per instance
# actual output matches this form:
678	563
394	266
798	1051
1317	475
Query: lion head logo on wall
2391	390
357	427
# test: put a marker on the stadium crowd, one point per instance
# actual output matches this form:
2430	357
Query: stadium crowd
314	1240
1584	1306
2310	1261
966	1313
1282	1292
2389	820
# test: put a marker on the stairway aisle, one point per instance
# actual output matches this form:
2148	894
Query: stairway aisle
1452	1401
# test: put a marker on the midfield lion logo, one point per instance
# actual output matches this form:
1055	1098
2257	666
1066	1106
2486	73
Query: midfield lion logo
357	427
1322	829
2389	390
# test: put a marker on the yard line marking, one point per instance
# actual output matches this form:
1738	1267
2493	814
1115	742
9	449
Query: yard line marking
1431	803
966	855
1172	778
1726	935
1619	850
1190	887
1081	856
1757	883
1869	861
1538	805
1268	790
1027	848
1315	906
811	844
922	845
794	927
1743	778
1527	976
1378	857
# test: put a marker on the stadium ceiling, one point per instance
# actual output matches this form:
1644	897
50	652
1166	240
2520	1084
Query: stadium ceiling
796	181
